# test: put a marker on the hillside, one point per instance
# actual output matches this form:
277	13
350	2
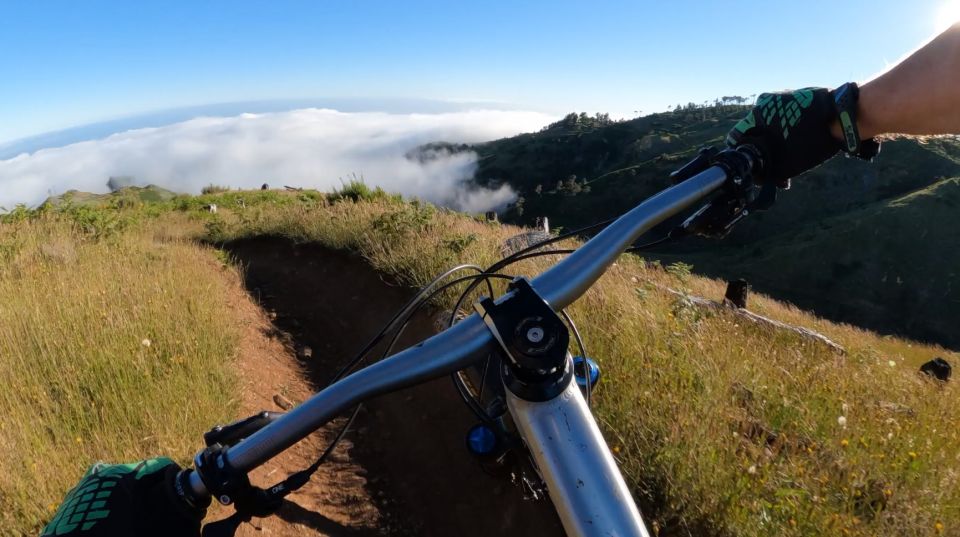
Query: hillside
583	170
127	195
892	265
714	437
589	169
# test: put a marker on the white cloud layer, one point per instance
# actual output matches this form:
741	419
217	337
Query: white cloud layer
312	148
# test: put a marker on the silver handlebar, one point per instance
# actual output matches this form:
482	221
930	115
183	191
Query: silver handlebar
469	340
569	279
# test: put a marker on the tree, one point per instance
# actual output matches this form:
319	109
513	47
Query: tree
116	182
570	120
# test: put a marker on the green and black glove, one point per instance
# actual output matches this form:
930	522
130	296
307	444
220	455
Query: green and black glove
792	131
126	500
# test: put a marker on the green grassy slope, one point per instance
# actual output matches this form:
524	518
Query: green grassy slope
126	195
624	162
894	265
620	163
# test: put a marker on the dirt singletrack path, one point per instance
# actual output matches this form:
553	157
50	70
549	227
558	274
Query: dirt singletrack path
334	502
404	469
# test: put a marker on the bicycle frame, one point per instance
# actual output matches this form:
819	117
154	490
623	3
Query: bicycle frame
582	477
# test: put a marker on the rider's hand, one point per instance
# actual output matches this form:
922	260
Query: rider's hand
791	130
126	499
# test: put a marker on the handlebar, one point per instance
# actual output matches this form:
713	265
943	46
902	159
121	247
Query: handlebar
469	341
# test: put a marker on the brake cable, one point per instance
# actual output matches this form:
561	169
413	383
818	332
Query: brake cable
583	352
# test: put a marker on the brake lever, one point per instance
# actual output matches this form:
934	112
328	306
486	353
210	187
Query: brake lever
735	200
699	164
230	434
716	218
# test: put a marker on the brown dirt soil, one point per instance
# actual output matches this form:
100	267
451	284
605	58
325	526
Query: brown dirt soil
334	502
403	469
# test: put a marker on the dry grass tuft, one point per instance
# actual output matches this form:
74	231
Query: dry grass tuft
109	350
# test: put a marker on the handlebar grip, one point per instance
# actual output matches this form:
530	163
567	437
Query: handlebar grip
180	493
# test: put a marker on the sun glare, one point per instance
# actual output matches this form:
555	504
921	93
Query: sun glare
948	15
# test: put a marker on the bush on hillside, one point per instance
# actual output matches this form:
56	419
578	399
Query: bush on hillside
357	190
214	189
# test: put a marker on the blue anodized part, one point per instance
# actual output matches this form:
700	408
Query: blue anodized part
481	440
592	368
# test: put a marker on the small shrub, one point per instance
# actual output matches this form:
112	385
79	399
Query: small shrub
415	217
460	243
97	223
19	213
214	189
680	270
216	229
356	190
309	196
223	257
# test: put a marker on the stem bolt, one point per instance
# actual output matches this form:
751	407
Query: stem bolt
535	334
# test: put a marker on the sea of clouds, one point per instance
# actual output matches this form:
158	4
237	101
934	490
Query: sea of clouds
310	148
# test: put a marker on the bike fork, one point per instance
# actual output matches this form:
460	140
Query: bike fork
582	477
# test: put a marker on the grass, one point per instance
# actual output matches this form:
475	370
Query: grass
720	427
112	348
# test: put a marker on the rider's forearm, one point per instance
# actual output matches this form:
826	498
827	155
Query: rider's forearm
921	95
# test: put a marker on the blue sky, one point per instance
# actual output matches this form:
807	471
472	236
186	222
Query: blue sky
68	63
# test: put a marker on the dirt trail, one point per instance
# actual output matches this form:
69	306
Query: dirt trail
404	469
335	502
